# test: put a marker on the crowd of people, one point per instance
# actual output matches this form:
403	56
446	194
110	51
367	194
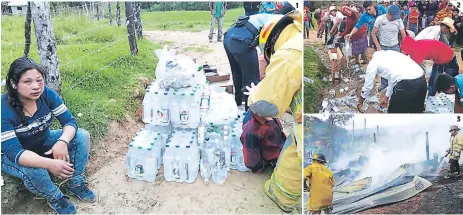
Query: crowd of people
409	32
416	16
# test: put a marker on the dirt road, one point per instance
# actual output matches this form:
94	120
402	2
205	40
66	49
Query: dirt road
196	45
107	173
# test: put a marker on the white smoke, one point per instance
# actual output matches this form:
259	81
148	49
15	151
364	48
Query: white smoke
399	143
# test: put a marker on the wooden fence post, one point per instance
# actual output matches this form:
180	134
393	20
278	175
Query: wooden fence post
131	27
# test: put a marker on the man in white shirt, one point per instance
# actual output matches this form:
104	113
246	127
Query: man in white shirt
386	30
437	32
385	33
406	82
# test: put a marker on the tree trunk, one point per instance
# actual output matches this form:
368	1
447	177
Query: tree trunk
131	27
97	11
27	30
138	25
86	8
92	10
46	43
118	14
110	14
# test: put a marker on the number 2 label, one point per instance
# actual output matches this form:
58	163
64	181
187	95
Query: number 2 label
458	4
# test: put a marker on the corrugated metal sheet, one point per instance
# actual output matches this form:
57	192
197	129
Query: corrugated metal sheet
391	195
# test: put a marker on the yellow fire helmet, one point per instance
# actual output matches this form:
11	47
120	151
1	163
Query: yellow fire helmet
279	30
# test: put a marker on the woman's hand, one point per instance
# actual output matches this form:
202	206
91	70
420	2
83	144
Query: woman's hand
60	151
61	169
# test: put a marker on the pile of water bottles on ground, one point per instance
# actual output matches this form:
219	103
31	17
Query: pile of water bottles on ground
189	131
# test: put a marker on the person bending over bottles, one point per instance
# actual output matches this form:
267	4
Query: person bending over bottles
30	149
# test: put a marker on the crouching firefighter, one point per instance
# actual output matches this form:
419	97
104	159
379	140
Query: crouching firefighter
279	90
240	42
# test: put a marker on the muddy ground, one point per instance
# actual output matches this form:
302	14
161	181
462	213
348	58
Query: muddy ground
445	196
107	174
350	81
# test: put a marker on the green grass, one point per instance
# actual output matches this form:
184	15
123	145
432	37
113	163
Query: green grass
315	70
86	87
192	21
199	48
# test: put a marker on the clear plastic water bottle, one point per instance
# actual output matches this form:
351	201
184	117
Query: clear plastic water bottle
175	110
163	114
240	165
242	109
233	152
130	160
195	111
225	145
168	160
176	164
205	99
201	133
147	107
184	112
151	169
139	163
205	165
219	171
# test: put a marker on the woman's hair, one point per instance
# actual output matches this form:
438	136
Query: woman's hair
17	69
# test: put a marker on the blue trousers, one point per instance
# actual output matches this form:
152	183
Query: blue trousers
413	27
38	180
243	61
451	68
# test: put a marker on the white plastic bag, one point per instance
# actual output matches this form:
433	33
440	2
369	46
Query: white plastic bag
347	49
175	71
222	110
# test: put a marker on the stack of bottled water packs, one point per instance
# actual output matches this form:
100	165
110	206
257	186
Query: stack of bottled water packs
189	131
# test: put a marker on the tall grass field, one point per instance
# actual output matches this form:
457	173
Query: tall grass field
100	84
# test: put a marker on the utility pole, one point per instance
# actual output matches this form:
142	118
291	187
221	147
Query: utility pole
377	133
353	130
427	147
364	129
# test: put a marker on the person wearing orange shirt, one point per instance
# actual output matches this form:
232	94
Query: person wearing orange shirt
413	16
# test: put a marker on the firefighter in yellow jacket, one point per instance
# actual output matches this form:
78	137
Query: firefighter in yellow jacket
280	90
321	183
456	145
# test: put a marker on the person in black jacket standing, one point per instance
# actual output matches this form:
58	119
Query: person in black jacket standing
251	8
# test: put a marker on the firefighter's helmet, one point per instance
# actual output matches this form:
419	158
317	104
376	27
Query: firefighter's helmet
453	128
271	31
319	157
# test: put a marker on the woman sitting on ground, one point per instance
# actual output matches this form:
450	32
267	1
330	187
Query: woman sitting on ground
30	149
